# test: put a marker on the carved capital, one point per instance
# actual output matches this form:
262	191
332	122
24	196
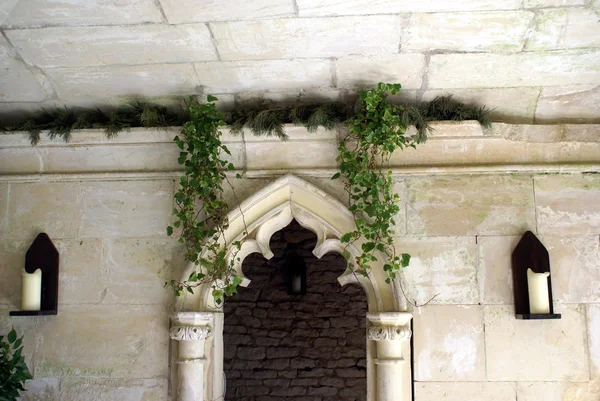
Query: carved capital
389	333
190	333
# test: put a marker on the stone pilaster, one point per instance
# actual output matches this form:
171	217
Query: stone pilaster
391	333
191	330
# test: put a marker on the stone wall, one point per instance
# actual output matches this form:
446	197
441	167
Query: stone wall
295	347
527	60
467	197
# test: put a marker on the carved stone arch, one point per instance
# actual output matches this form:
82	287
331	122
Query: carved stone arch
253	223
273	208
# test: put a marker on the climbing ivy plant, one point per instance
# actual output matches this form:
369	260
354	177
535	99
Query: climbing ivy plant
200	210
376	131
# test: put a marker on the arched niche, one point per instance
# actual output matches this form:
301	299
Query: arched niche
198	326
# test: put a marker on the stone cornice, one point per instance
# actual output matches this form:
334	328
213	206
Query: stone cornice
453	148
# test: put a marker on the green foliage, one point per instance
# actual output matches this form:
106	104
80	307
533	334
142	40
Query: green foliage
200	211
270	122
446	108
261	120
13	370
60	122
377	129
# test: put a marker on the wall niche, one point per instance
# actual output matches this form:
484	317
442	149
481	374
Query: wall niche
295	347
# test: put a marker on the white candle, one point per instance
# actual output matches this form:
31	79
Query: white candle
32	291
539	300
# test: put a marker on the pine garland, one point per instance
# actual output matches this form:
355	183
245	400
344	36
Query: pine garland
60	122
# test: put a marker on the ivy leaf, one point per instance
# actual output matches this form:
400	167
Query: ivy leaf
336	176
346	237
405	259
169	231
368	246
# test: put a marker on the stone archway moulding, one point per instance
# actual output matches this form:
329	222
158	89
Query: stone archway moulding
198	327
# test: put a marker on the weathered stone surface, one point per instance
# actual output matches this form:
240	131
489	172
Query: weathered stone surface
143	265
494	274
357	7
593	327
547	391
17	82
116	209
582	132
568	205
514	70
81	159
485	31
4	188
41	390
530	133
20	160
240	76
12	262
490	205
454	353
516	351
108	82
361	72
575	264
565	29
82	279
569	103
296	38
552	3
465	391
98	46
442	268
114	389
272	154
516	105
6	8
89	12
53	208
183	11
87	341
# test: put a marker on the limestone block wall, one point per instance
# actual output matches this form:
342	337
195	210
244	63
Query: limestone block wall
527	60
289	347
467	197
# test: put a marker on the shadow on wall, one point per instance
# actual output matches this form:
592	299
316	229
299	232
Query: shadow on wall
280	346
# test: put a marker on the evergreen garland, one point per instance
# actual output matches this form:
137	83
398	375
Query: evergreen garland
60	122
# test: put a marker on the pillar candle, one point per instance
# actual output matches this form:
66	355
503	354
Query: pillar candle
539	300
32	291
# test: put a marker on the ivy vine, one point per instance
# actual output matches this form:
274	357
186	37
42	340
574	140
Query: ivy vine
375	133
200	210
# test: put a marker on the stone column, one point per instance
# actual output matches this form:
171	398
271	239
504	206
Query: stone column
191	330
391	333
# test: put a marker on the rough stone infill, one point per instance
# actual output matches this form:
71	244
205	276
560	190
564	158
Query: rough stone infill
281	347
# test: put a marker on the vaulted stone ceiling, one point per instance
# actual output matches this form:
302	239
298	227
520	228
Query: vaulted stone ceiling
531	60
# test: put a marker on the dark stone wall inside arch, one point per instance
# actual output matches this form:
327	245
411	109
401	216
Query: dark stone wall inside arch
308	347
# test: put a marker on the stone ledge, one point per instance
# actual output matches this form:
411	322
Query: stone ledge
454	147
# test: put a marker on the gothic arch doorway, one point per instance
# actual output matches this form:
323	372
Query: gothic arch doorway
198	327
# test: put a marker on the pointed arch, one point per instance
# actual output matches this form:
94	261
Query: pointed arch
272	208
